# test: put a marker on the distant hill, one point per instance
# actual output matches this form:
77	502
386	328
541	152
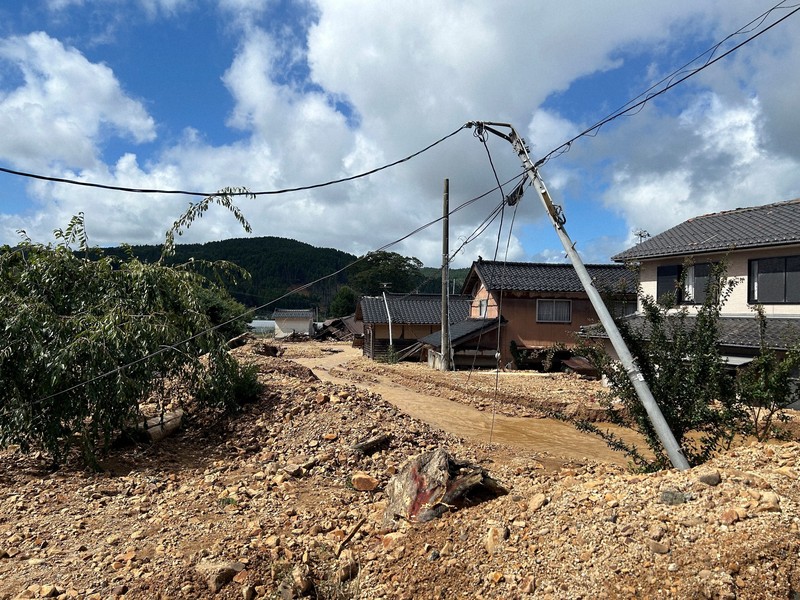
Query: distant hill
277	266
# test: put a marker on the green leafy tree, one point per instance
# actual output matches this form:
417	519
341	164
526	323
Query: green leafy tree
679	358
85	340
387	270
768	384
344	303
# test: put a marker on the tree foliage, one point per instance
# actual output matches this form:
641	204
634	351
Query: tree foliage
381	270
678	356
85	340
344	303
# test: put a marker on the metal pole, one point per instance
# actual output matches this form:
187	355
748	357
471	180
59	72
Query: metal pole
445	345
389	316
631	368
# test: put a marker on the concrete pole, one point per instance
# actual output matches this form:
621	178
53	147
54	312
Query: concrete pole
445	345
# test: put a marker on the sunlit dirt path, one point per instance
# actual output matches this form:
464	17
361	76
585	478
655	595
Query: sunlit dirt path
542	436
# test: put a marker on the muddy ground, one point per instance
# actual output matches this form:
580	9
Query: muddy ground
266	503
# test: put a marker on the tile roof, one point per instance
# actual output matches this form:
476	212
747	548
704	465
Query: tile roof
550	277
292	313
752	227
736	332
461	331
412	309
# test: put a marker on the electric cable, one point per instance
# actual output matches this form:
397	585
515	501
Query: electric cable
630	108
250	311
234	193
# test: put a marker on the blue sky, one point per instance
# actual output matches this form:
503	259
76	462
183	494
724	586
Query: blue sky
201	95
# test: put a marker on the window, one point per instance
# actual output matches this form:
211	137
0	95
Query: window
697	280
774	280
621	308
554	311
483	305
667	278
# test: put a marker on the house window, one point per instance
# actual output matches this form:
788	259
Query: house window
697	279
621	308
774	280
667	278
554	311
483	305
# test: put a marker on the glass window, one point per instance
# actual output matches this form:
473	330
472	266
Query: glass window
667	277
554	311
483	305
697	279
775	280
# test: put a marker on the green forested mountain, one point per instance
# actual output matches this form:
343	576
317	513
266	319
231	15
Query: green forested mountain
276	265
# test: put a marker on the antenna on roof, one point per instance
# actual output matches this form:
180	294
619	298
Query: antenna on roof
642	234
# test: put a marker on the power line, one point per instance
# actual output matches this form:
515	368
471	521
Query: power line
234	193
630	107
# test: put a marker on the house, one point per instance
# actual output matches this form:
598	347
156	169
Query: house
542	304
293	321
412	316
473	344
761	249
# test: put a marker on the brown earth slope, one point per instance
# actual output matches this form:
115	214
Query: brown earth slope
258	505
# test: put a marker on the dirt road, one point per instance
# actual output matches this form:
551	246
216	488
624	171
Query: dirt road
547	437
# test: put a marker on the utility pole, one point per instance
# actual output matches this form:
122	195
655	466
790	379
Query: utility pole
445	345
558	219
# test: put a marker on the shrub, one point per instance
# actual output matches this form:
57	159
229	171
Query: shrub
84	341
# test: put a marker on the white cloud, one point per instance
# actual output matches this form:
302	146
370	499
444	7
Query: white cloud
65	106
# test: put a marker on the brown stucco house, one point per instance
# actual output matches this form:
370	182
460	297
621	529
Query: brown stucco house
760	246
542	304
412	316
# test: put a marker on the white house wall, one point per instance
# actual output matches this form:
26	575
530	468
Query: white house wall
737	269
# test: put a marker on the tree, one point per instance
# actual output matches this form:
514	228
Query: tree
679	358
386	270
767	385
84	341
344	303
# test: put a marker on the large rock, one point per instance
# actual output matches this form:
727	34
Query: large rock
433	483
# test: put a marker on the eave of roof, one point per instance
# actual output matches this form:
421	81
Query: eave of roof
770	225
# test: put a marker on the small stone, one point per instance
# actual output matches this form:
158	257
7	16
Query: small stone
48	591
657	547
527	585
248	592
392	540
729	517
672	497
712	478
537	502
494	537
302	581
363	482
217	574
496	577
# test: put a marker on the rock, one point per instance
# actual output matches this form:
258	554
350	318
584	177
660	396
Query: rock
494	537
392	540
537	502
248	592
48	591
218	573
672	497
712	478
729	517
769	502
527	585
363	482
348	567
657	547
496	577
301	580
432	483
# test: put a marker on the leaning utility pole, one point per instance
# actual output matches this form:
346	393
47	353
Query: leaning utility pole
445	346
558	219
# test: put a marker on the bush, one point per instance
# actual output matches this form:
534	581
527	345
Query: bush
84	341
679	358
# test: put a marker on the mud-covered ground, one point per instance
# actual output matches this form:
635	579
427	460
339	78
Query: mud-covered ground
262	504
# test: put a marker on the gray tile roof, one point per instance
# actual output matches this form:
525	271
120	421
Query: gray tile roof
734	332
753	227
461	331
550	277
412	309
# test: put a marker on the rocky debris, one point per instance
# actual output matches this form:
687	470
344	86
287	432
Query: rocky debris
218	492
433	483
219	573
